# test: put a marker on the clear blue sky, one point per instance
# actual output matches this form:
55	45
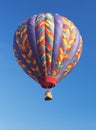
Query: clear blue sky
21	99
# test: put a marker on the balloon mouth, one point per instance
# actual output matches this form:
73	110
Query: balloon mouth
47	82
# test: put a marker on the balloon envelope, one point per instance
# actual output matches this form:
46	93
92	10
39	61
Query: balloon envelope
47	47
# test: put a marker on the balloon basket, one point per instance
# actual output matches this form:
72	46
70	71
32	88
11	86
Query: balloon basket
48	96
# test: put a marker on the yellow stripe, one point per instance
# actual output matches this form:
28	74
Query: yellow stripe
24	56
61	57
46	24
65	42
71	41
23	66
49	57
33	68
24	39
68	46
40	39
30	53
48	21
51	38
43	55
61	51
41	22
25	29
28	61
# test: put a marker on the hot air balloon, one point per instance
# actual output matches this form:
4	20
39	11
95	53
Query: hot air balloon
47	47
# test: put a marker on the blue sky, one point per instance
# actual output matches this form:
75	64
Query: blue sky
21	99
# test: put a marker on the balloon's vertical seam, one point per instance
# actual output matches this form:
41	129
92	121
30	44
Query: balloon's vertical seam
57	42
32	38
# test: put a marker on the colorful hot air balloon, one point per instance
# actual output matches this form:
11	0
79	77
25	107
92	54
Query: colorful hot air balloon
47	47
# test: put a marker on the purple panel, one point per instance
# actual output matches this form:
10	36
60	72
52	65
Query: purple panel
58	25
32	39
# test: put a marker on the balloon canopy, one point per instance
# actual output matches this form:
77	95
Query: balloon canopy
47	47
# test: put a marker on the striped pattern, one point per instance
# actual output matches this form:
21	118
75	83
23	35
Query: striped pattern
49	40
40	40
45	41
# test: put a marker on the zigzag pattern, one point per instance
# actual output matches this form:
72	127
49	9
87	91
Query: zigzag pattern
49	40
74	61
66	47
40	40
44	39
